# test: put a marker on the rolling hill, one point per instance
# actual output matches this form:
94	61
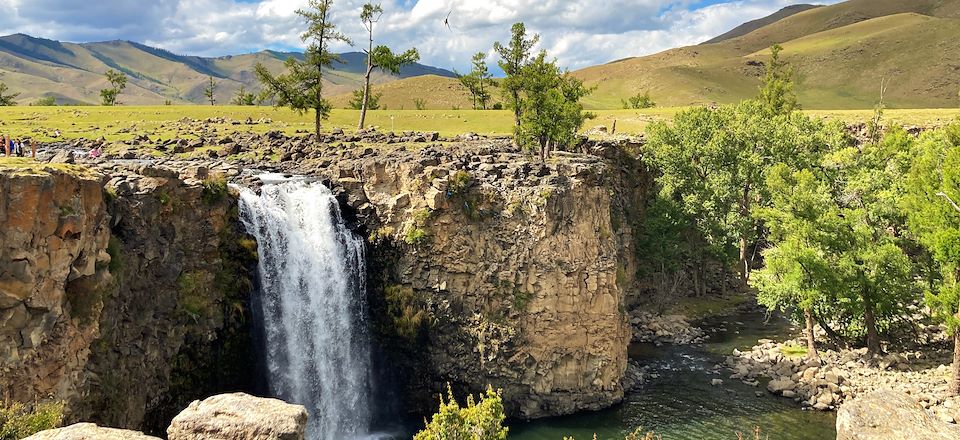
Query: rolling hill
73	72
842	52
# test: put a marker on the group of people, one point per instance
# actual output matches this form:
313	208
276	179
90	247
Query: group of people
17	147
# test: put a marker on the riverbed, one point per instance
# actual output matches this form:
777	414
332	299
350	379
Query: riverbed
682	404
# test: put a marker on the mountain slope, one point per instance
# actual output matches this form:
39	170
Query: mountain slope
841	53
73	73
753	25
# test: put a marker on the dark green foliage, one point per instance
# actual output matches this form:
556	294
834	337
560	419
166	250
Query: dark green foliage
478	81
214	190
552	113
420	104
7	99
118	82
210	91
481	420
356	100
243	97
19	421
114	249
301	88
47	101
513	58
776	90
639	101
933	191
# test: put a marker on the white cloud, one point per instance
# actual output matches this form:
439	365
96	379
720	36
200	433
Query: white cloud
577	33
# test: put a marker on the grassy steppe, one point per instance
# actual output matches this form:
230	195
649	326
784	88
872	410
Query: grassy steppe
123	123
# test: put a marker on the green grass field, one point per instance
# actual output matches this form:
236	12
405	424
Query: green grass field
123	123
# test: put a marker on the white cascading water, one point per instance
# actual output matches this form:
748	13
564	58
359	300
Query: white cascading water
312	291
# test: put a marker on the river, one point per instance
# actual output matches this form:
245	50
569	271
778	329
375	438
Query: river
681	404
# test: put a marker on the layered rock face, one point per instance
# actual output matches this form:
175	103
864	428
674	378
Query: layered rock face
53	276
509	272
123	298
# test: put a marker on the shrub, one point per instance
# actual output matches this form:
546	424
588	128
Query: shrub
416	236
420	104
639	101
481	420
405	310
214	189
19	421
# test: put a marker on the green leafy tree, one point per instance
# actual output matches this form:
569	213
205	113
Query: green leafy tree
469	82
514	56
373	100
776	89
242	97
933	189
639	101
380	57
481	420
552	112
301	88
482	75
800	273
211	91
118	82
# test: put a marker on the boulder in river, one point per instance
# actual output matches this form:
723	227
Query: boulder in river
239	416
890	415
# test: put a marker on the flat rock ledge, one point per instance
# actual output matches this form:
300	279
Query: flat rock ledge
89	431
239	416
890	415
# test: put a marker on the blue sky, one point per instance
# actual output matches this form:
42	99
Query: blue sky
578	33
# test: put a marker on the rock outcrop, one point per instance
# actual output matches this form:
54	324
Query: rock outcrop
890	415
53	276
513	271
239	416
89	431
122	291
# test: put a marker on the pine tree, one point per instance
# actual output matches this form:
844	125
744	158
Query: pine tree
380	57
210	91
301	88
513	57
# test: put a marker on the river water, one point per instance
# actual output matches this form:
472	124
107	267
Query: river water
681	404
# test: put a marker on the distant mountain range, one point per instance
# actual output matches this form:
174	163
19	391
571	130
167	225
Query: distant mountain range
73	73
842	52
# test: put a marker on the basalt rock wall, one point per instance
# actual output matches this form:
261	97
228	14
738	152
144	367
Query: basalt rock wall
123	292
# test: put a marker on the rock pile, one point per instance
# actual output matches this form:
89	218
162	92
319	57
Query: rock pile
664	329
846	374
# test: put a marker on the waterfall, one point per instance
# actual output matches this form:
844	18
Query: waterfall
312	300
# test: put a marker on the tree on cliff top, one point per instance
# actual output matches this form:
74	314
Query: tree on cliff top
933	193
513	57
301	88
481	420
380	57
552	112
211	91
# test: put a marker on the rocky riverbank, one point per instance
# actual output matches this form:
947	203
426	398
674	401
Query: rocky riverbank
844	374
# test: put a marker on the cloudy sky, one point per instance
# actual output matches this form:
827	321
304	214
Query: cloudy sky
578	33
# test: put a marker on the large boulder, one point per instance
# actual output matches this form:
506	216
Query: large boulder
89	431
890	415
239	416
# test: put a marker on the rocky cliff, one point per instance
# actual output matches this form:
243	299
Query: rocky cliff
122	291
494	268
486	267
